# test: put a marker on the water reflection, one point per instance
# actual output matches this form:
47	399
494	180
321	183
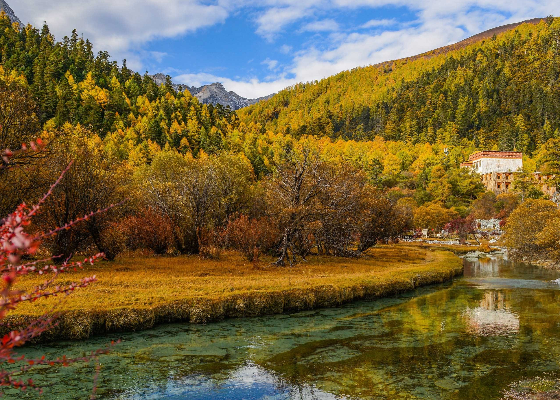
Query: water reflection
468	339
492	317
247	382
483	267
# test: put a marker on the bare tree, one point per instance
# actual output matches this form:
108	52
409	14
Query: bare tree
293	199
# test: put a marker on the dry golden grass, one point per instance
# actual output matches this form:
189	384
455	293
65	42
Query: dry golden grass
136	293
456	248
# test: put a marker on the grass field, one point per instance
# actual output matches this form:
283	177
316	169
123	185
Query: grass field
138	293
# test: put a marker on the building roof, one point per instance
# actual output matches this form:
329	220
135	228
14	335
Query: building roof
496	154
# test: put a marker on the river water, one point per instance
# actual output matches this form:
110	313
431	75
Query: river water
468	339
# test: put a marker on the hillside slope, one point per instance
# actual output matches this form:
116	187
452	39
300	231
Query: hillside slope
497	89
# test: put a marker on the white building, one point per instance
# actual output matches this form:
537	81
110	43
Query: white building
497	168
488	162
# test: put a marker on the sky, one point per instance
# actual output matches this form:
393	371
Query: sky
259	47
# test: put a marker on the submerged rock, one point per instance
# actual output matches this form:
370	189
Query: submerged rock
542	388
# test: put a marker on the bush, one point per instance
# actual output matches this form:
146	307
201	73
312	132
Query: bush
549	239
251	237
147	230
484	248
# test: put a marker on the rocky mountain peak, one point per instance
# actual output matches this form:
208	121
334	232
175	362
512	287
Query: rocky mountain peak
9	12
215	93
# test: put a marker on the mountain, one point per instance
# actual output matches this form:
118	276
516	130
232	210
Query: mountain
7	9
466	42
214	93
500	88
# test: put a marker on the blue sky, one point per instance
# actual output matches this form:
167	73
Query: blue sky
258	47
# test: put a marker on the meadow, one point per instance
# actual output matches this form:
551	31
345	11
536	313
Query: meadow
135	293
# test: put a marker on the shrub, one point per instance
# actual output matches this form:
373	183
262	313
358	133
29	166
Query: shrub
462	227
251	236
484	248
147	230
549	239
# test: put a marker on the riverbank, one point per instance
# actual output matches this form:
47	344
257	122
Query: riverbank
138	293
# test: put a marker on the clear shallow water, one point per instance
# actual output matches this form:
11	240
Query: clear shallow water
468	339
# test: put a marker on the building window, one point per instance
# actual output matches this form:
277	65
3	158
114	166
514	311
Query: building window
499	185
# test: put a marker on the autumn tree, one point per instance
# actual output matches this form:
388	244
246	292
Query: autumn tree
506	203
463	227
525	225
382	219
340	203
251	236
95	182
19	126
197	194
19	123
293	196
526	186
548	240
484	207
549	160
433	216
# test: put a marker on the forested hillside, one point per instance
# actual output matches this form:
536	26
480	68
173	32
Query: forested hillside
70	85
502	92
331	167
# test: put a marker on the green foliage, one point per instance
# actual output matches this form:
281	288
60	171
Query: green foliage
500	92
549	160
71	85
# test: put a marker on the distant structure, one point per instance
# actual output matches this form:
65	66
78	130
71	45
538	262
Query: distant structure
487	162
498	170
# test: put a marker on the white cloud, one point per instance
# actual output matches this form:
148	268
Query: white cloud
270	64
326	25
377	23
272	21
158	56
119	26
285	49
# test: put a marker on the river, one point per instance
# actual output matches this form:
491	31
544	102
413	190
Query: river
468	339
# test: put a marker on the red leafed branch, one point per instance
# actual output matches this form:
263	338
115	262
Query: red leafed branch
31	149
15	244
